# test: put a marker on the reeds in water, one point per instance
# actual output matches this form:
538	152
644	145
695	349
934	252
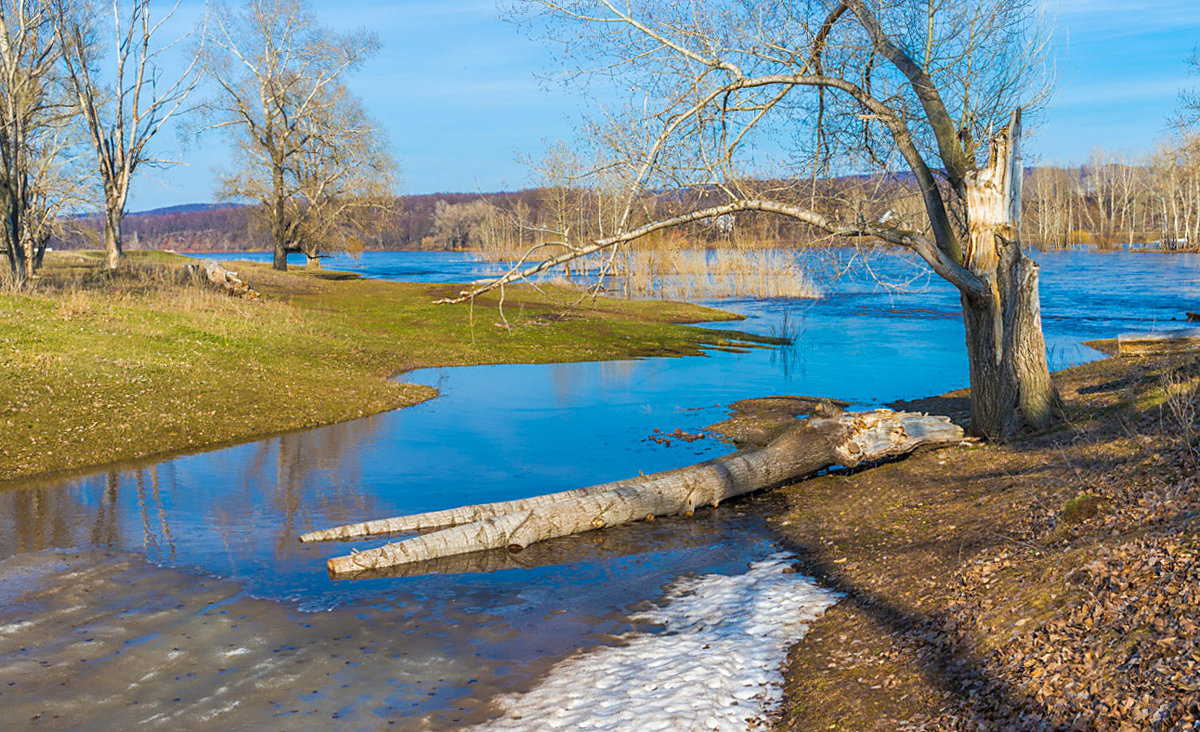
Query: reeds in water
696	274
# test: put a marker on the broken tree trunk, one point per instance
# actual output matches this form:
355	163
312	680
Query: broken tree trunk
813	444
228	281
1010	379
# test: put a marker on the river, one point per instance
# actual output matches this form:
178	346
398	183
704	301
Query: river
174	593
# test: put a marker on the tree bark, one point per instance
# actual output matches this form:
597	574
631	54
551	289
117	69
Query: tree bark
112	235
1011	388
812	445
280	260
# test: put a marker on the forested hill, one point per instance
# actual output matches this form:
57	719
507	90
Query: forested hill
1108	201
204	227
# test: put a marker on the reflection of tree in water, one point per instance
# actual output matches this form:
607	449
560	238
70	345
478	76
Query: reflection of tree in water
158	530
105	526
321	467
32	519
281	482
568	378
66	514
618	372
565	380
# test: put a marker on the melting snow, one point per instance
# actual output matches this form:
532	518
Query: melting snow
716	666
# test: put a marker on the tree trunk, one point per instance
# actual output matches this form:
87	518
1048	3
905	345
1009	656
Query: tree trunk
13	234
812	445
1011	388
280	260
40	255
278	223
112	235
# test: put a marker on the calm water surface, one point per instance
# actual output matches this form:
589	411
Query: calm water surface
153	559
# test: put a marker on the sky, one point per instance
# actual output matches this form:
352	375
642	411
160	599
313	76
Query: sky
466	97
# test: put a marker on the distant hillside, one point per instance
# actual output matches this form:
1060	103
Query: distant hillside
205	227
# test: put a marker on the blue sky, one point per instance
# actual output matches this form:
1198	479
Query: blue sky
464	97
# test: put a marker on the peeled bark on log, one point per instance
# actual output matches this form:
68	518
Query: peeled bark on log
814	444
456	516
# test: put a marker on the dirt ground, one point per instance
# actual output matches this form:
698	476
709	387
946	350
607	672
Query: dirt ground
1049	583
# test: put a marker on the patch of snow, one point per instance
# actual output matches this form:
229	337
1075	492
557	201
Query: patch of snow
15	627
715	666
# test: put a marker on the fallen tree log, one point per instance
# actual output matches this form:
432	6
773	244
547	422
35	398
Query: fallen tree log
1179	340
228	281
815	443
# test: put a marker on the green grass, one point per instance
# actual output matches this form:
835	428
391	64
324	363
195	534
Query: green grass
101	369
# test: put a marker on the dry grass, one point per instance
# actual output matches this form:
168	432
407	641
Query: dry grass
1179	412
691	274
680	270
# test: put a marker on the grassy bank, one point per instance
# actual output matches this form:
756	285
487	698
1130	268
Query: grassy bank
1050	583
102	369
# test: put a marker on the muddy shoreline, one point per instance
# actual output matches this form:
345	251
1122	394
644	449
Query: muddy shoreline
1008	586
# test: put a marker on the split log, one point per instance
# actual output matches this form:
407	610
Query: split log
816	443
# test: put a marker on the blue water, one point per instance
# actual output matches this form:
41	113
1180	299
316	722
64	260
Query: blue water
884	331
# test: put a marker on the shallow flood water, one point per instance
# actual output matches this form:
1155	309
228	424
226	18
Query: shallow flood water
176	590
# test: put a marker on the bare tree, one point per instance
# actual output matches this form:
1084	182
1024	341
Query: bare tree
38	178
311	156
932	87
27	59
122	92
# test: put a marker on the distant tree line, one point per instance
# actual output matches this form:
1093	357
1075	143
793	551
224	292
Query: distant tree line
1115	199
1111	200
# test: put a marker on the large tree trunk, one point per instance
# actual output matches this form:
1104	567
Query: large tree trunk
812	445
278	224
112	234
1010	379
280	260
1011	388
13	233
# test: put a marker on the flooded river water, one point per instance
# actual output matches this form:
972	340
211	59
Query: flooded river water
173	593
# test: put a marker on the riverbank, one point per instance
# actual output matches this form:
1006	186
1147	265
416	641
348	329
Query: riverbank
1050	583
106	369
